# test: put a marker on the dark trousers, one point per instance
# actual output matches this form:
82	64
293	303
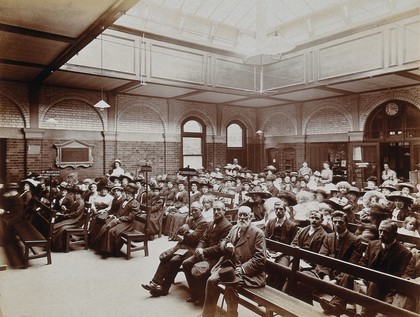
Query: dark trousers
197	284
167	271
212	296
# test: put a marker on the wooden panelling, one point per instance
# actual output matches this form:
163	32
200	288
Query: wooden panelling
354	56
119	55
287	72
233	74
174	64
411	42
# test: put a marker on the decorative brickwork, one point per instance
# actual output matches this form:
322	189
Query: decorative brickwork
206	112
14	106
279	124
369	102
142	114
245	115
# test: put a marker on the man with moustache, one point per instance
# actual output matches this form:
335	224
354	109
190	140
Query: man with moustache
283	230
208	249
386	255
244	249
170	261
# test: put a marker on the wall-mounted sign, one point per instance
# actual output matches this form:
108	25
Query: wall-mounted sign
74	153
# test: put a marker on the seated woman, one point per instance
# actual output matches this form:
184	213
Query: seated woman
176	214
63	201
73	218
98	221
117	170
108	241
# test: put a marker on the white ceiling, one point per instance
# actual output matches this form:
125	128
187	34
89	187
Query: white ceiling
38	36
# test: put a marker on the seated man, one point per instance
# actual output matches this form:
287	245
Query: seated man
385	255
208	249
309	238
170	261
339	244
283	230
244	249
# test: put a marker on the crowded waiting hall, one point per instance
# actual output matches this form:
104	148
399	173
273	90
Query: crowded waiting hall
210	158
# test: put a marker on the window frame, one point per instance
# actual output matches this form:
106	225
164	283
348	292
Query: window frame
242	126
201	135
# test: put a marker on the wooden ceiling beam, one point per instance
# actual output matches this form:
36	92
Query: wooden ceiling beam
96	28
20	63
35	33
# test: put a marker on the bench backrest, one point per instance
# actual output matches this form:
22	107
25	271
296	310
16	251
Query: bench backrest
144	217
228	199
400	237
42	218
401	285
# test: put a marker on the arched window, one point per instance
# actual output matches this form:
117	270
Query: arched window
235	136
193	143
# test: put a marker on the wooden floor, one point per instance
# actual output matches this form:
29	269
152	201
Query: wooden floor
81	283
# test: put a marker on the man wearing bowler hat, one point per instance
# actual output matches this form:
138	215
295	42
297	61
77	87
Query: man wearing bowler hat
242	264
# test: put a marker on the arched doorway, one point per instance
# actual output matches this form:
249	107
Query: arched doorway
395	126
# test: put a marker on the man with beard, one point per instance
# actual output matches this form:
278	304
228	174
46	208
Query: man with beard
208	249
385	255
244	250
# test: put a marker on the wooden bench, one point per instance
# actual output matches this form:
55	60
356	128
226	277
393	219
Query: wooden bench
130	238
29	232
267	301
294	276
228	199
81	232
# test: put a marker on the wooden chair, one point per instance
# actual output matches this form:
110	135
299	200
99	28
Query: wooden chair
82	232
228	199
231	215
131	238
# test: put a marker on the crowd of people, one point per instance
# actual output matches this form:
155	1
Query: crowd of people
302	208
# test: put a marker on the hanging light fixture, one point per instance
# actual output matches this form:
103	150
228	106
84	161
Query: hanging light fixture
268	50
102	104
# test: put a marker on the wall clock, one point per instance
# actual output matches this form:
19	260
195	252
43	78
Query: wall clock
392	109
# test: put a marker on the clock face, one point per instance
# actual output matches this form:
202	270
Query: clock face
392	109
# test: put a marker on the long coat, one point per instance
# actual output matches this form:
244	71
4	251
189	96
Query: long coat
342	250
395	261
285	234
249	253
108	240
312	243
212	238
73	219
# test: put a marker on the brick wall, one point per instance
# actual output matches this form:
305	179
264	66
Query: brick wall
147	118
15	160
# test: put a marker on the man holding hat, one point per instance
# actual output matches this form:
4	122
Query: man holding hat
208	249
170	261
242	264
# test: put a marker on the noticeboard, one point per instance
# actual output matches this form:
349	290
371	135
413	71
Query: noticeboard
74	153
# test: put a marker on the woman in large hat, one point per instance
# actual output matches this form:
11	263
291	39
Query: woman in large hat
406	189
176	214
73	218
109	238
29	186
402	205
256	203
